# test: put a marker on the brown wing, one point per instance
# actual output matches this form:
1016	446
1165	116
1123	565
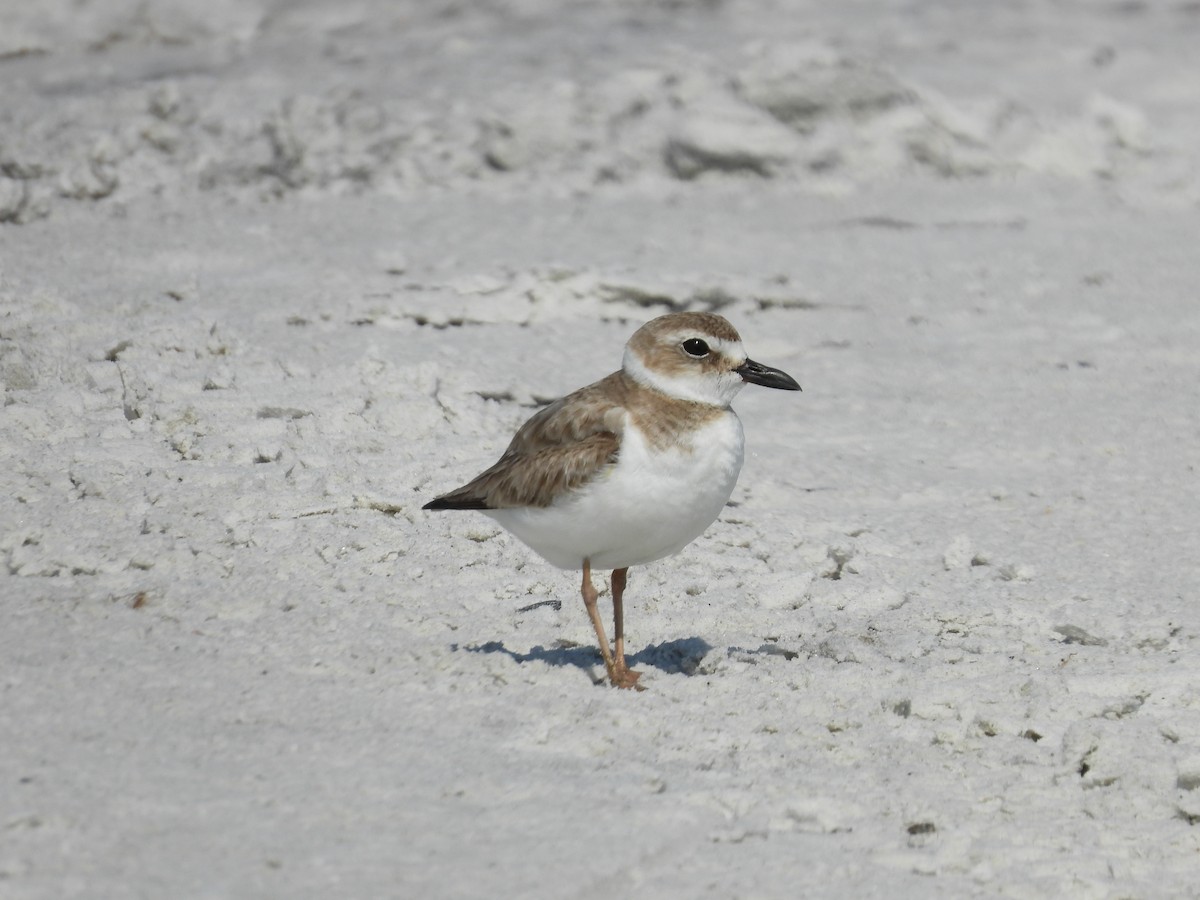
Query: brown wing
560	448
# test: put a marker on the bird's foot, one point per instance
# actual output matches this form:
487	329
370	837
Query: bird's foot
623	677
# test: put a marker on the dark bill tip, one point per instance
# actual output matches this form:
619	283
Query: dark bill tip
757	373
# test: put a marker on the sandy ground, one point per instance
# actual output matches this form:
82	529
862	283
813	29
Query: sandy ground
272	275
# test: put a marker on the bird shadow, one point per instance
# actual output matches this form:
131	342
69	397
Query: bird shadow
678	657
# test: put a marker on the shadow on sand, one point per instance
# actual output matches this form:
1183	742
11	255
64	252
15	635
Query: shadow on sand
681	656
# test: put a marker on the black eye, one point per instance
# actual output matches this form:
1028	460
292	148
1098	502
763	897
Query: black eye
695	347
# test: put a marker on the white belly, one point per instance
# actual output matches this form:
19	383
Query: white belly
651	504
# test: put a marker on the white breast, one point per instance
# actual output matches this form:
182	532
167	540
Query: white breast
651	504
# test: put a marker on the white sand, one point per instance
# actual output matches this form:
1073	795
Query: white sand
274	274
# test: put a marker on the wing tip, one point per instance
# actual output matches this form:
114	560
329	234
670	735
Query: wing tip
451	502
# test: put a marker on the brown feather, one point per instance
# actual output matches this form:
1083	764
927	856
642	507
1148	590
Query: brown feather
572	441
559	448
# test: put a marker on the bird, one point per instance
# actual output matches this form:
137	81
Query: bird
630	469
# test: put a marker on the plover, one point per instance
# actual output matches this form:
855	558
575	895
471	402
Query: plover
630	469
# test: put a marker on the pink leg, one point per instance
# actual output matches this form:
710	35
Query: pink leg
623	677
589	600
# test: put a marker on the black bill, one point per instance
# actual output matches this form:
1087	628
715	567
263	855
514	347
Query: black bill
757	373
